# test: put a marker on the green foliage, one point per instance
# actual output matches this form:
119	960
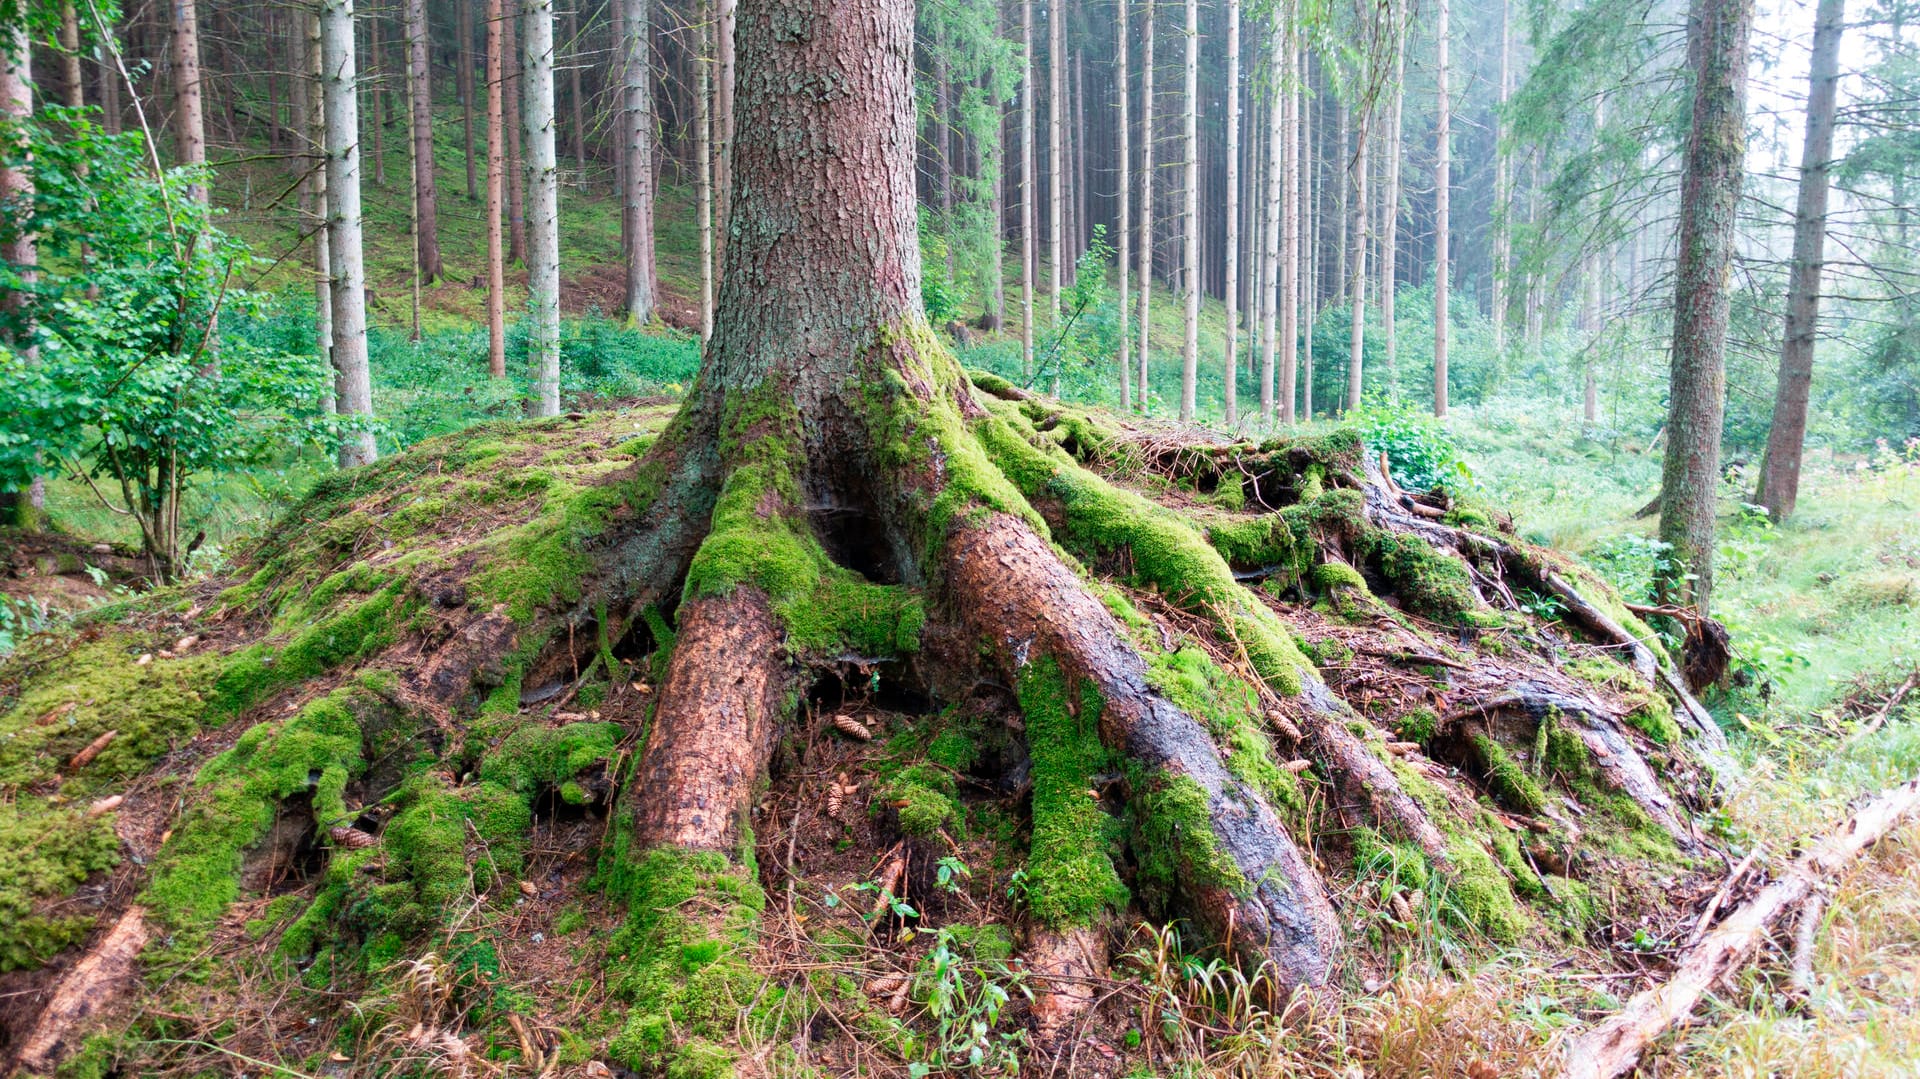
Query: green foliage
46	852
1419	448
965	982
1071	880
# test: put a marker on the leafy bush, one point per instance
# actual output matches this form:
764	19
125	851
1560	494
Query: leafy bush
1419	449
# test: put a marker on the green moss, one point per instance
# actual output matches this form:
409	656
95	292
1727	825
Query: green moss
257	672
1615	821
1174	841
1427	581
953	749
1505	777
681	960
1418	725
1231	711
1331	575
1649	712
537	756
1071	878
46	851
924	797
94	688
1477	891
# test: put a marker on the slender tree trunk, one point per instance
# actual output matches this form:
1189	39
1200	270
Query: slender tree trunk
703	150
72	82
377	121
110	111
1289	284
1231	367
1442	219
466	93
1502	197
1534	304
1029	212
189	118
18	508
1122	95
1056	156
1275	215
723	130
575	97
426	198
514	98
1357	264
1718	32
1077	238
637	76
1338	170
1190	185
543	205
1146	196
340	87
496	188
1780	471
1389	239
1310	249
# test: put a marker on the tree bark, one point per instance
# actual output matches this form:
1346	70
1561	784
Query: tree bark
1122	95
376	112
426	199
1717	36
1502	196
73	83
1057	169
1357	265
1190	216
543	205
576	102
514	100
1275	217
636	66
1288	104
1309	239
466	94
1779	487
1029	212
1230	369
723	131
340	86
703	166
1442	221
1389	237
21	508
1146	197
496	188
189	118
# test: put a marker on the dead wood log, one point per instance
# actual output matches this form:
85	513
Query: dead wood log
92	986
1612	1047
1886	708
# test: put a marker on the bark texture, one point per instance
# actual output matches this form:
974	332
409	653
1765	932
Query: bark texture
426	198
636	66
543	209
340	88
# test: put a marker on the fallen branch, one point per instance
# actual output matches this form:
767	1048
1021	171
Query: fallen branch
1804	934
92	986
1613	1047
1886	708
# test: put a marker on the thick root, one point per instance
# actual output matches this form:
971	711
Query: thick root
1013	590
713	727
90	988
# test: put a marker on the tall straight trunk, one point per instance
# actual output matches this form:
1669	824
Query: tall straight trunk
514	98
637	83
1056	153
1122	95
1534	306
1718	32
73	83
426	200
1276	177
1357	265
1780	471
1309	248
1590	327
1442	221
1337	175
109	75
703	167
309	127
340	89
189	118
1389	236
1029	215
543	208
466	92
1146	196
1190	212
377	121
18	508
575	97
1502	195
496	188
1230	367
723	129
1077	239
1289	284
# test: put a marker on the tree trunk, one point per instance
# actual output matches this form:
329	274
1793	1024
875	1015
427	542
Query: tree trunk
1442	222
1190	216
514	100
703	151
1779	485
376	111
1057	258
496	188
1357	265
723	131
1717	36
73	83
1122	99
1309	239
466	94
1275	216
1340	166
543	205
1029	194
1146	197
313	144
1502	197
189	119
426	199
636	66
340	87
1389	236
1230	368
18	508
576	98
1288	105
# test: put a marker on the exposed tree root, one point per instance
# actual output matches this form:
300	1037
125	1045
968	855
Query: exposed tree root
1612	1047
94	985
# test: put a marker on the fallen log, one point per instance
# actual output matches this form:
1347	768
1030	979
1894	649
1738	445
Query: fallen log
1613	1047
